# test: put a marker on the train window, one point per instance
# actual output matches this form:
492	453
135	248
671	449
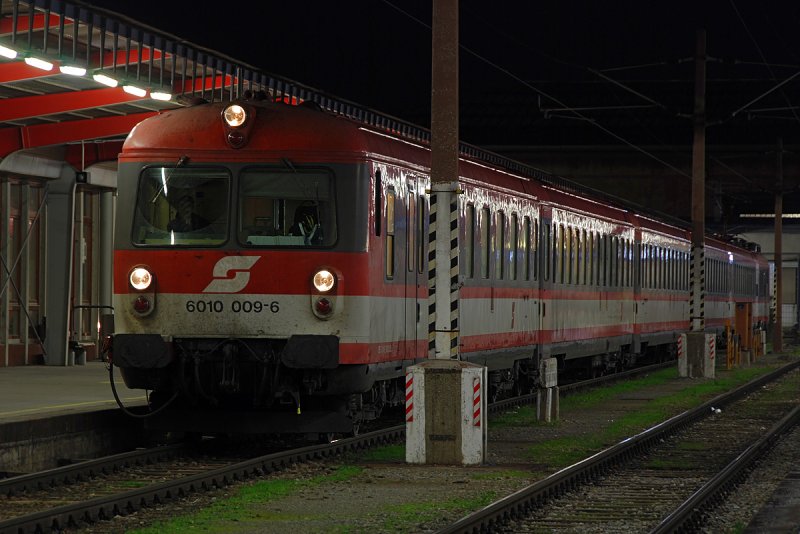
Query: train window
535	246
709	268
584	257
614	260
411	217
526	248
623	258
590	252
601	260
182	206
484	242
656	267
278	208
629	262
421	241
573	255
514	248
469	242
569	255
625	267
556	243
390	197
578	252
546	250
500	245
378	205
560	249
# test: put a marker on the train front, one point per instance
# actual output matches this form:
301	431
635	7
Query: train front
231	251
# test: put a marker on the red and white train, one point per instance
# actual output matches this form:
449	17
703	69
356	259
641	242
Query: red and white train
271	271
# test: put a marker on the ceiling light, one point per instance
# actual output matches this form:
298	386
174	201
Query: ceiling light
72	70
39	63
7	52
133	90
105	80
160	95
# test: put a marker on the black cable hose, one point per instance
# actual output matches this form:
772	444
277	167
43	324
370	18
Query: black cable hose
127	411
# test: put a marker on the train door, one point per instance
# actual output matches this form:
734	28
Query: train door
416	294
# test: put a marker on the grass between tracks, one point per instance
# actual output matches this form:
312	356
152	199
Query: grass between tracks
567	450
247	507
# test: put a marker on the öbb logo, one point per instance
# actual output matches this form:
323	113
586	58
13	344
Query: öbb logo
223	282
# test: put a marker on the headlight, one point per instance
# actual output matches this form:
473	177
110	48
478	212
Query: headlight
140	278
324	281
235	115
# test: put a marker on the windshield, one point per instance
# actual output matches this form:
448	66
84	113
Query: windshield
181	206
281	208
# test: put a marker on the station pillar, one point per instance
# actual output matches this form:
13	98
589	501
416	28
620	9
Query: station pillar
697	353
446	413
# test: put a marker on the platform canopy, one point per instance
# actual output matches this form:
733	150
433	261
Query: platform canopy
78	77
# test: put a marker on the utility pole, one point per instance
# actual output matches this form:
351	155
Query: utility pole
698	360
443	235
697	311
445	397
777	333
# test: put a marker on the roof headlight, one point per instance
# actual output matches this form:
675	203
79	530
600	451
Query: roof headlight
235	115
324	281
140	278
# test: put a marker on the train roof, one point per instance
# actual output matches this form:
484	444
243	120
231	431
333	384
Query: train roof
310	132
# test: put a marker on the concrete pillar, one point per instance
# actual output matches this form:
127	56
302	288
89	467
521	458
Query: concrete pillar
446	413
697	355
445	392
58	280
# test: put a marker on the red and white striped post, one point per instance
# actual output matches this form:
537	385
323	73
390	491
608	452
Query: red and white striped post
446	416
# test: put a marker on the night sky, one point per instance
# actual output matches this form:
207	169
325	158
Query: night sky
377	52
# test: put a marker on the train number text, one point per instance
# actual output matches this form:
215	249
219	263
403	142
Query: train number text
237	306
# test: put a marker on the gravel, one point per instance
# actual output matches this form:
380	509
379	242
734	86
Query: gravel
391	496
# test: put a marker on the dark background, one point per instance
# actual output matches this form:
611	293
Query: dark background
558	73
377	53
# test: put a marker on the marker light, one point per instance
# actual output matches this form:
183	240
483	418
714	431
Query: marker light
324	281
140	278
323	307
235	115
142	305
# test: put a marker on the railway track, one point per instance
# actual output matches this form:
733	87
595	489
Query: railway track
87	492
661	480
40	506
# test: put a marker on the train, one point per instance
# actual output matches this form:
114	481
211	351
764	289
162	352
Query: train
271	270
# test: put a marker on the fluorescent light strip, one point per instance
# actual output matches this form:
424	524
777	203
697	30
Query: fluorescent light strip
105	80
160	95
133	90
39	63
72	70
10	53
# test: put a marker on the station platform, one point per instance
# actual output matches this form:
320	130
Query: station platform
39	391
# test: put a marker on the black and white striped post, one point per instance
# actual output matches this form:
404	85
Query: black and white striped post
699	354
445	397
